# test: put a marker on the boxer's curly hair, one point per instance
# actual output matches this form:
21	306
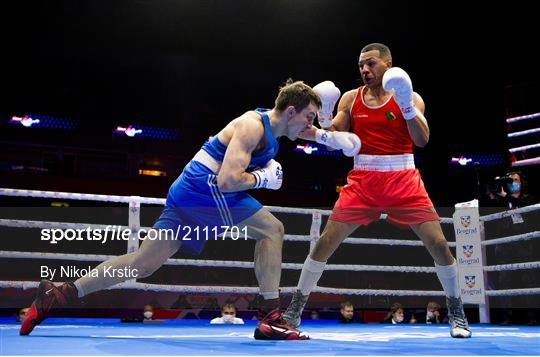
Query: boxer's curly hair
297	94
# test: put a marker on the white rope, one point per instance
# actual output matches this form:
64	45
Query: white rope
234	289
288	237
213	263
377	292
523	117
286	290
513	292
379	241
524	148
527	162
494	216
309	211
446	220
148	200
516	266
54	225
80	196
524	132
510	239
250	265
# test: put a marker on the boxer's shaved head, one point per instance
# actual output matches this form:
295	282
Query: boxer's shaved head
384	51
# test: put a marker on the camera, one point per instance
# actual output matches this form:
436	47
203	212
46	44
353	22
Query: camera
499	182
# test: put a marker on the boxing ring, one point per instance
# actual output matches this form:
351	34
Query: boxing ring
58	336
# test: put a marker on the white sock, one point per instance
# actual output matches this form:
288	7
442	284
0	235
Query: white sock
80	290
448	276
269	295
311	273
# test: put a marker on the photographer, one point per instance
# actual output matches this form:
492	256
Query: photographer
510	191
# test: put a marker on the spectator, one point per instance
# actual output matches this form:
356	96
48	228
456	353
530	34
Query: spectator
514	194
395	315
148	313
346	313
433	315
22	314
228	316
314	315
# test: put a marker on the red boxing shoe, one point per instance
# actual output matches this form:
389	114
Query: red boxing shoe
274	327
48	296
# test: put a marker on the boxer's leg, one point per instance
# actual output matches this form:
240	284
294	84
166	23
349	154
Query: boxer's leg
150	257
334	233
431	234
268	231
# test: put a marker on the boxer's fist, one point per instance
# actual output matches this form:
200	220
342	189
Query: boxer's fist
348	142
329	94
397	80
270	176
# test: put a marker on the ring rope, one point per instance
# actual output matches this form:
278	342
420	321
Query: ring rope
213	263
249	265
494	216
516	266
17	223
286	290
289	237
149	200
511	239
523	117
80	196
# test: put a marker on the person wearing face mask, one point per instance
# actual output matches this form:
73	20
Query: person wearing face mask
511	195
433	315
228	316
148	313
396	314
22	314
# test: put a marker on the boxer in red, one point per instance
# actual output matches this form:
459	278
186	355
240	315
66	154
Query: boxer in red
388	117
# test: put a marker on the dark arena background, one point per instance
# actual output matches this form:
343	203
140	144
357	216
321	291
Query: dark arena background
115	97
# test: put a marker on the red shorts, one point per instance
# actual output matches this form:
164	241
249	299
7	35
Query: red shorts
400	194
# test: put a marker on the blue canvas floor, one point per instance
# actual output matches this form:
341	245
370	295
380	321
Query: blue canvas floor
195	337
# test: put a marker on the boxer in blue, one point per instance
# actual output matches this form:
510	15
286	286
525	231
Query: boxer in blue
210	196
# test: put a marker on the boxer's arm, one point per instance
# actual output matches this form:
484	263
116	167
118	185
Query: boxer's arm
418	126
232	176
342	120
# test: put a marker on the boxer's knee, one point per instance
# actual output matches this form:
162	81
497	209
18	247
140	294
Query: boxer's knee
441	251
274	231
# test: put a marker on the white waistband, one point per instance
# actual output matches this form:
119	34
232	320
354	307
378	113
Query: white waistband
384	162
204	158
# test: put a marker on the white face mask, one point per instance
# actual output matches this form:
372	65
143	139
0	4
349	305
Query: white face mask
148	314
228	319
430	315
398	319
